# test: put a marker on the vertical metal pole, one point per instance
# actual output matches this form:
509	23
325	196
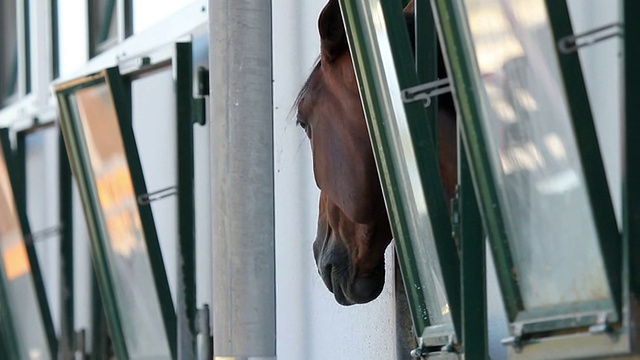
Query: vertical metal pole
631	171
242	179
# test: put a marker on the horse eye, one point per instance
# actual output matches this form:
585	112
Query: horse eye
305	127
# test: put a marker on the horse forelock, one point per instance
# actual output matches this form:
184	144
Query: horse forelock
305	88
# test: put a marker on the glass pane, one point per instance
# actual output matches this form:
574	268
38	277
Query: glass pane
136	296
17	278
42	190
8	49
154	111
103	25
534	155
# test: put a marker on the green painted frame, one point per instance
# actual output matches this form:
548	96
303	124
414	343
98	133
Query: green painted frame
67	334
189	111
384	109
74	140
11	338
631	157
455	37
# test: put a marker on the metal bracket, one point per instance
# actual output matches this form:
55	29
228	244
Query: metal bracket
570	44
148	198
601	326
204	339
420	351
80	347
426	91
514	341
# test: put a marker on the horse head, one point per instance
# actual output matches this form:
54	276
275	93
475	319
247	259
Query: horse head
353	225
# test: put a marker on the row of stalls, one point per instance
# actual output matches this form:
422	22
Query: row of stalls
157	201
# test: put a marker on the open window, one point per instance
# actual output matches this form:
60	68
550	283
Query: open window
27	329
95	117
405	154
539	175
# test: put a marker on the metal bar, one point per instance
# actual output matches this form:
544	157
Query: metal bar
67	291
631	134
459	59
183	64
569	44
148	198
472	243
242	178
589	151
413	192
426	49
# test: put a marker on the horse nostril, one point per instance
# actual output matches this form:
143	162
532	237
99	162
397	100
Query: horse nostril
326	275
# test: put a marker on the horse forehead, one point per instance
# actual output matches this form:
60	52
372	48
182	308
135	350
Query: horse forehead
339	74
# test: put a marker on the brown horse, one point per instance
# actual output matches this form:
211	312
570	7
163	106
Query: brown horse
353	225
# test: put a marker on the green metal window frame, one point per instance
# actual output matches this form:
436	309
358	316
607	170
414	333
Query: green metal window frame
631	157
12	341
387	116
456	38
65	221
80	165
190	110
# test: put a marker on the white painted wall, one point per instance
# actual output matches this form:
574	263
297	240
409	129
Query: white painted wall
311	325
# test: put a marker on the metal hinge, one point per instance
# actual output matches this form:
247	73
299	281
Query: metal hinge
570	44
601	326
514	341
203	337
455	214
426	91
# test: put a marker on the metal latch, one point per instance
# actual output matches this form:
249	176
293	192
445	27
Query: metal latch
148	198
570	44
426	91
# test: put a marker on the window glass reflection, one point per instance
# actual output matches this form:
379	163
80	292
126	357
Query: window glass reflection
8	50
540	180
17	279
103	25
137	298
